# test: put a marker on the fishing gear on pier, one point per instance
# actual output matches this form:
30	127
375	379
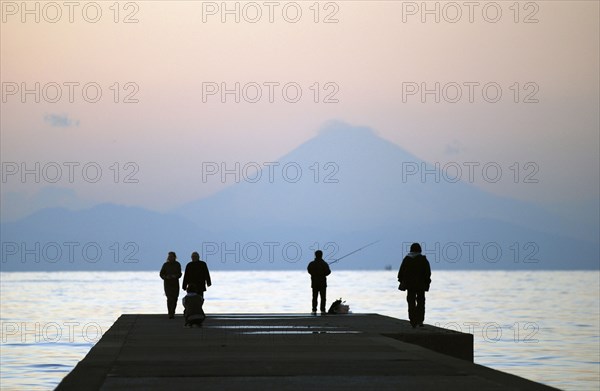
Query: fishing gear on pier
355	251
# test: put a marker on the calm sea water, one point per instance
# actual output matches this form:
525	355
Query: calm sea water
543	326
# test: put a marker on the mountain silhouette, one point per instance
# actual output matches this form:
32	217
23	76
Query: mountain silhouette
372	196
372	188
337	191
104	237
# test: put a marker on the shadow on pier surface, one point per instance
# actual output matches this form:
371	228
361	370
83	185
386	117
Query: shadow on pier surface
284	352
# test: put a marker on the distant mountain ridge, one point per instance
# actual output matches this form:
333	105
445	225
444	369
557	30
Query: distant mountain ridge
370	190
343	188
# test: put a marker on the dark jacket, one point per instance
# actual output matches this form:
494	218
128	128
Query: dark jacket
196	272
318	270
415	272
171	273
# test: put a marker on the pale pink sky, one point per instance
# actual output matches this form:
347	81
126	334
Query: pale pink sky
368	54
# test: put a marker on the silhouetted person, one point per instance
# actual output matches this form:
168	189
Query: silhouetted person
318	270
196	272
192	304
414	277
170	273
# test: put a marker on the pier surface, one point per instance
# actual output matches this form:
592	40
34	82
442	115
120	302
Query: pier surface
284	352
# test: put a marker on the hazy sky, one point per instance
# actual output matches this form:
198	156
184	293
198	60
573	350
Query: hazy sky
371	63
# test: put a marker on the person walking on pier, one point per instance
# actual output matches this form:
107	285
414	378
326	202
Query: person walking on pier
318	270
171	273
196	272
415	277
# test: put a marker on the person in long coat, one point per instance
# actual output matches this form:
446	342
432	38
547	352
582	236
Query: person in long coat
171	273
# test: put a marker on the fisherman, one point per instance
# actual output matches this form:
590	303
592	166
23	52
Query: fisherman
318	270
171	273
415	277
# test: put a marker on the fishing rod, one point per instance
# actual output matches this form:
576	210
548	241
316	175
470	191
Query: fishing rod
355	251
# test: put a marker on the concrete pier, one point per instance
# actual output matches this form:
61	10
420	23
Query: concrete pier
284	352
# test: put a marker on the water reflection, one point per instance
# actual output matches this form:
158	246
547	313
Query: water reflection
540	325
